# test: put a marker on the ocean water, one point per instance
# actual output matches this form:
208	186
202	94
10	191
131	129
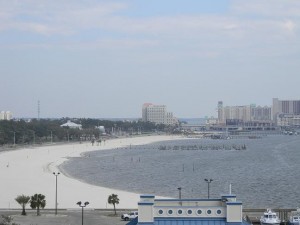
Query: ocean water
266	174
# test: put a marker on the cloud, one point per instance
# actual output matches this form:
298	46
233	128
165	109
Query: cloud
108	24
50	17
267	8
289	25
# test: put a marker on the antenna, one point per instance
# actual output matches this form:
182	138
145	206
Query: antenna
39	109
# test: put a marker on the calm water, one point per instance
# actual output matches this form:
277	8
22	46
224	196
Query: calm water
266	174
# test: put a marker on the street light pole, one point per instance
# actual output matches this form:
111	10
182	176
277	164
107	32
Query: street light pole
179	189
56	174
208	181
82	206
33	137
14	138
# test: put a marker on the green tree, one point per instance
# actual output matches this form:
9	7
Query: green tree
113	199
23	200
7	220
37	201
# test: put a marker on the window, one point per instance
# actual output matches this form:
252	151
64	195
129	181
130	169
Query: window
219	212
160	212
179	212
208	212
170	211
199	211
189	212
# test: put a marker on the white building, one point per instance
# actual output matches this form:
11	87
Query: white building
72	125
157	114
223	211
211	121
245	113
5	115
285	120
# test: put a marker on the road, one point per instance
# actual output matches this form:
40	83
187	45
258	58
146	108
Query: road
66	217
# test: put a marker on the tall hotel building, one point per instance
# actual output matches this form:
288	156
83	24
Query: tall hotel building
157	114
243	114
286	112
5	115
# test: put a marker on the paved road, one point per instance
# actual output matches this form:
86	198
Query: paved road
66	217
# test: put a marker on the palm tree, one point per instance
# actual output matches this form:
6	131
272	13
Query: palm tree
37	201
23	200
113	199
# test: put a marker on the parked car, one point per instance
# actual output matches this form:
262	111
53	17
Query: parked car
129	216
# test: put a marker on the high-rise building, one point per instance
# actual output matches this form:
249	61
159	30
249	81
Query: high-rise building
5	115
285	107
261	113
157	114
245	113
286	112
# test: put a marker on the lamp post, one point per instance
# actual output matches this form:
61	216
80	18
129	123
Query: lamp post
14	138
56	174
208	181
179	189
82	205
33	137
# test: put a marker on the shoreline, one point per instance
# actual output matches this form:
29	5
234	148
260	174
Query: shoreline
29	170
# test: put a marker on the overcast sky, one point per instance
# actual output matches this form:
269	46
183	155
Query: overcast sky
104	59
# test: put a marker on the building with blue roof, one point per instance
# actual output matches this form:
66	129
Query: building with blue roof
223	211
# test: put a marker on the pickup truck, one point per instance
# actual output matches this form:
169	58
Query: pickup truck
129	216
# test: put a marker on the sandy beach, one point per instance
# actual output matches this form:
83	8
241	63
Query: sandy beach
29	171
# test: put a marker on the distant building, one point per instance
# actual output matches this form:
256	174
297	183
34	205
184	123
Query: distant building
5	115
211	121
286	120
261	113
101	129
157	114
222	211
286	112
71	125
243	114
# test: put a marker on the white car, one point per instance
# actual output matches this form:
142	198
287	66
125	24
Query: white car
129	216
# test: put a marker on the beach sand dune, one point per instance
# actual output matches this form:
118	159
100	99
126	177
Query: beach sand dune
29	171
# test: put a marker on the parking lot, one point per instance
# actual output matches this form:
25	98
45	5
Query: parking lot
66	217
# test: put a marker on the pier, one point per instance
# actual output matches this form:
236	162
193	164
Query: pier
253	215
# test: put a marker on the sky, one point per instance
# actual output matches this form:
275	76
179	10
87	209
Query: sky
106	58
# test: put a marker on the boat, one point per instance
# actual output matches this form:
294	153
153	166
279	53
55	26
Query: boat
295	217
269	218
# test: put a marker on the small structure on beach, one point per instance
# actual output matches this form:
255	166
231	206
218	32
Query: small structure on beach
223	211
72	125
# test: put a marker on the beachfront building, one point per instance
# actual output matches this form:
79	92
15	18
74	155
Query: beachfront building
157	114
287	120
286	112
223	211
71	125
5	115
211	121
243	114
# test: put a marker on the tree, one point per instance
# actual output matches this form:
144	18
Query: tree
113	199
37	201
23	200
7	220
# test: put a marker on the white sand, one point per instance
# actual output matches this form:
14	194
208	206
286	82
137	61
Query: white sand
29	171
